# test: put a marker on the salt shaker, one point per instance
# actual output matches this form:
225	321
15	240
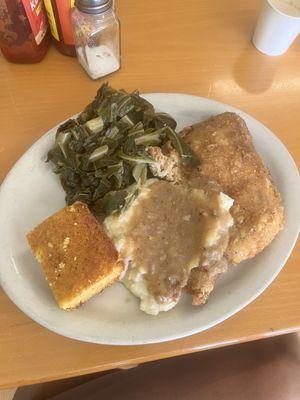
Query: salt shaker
97	36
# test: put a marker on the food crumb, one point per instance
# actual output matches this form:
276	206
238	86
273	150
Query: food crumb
66	243
61	266
50	245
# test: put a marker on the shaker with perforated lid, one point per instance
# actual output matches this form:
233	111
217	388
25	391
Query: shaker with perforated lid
97	36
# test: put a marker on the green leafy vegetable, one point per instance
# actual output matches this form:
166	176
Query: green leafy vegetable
102	155
136	158
150	139
139	173
188	158
98	153
95	125
62	140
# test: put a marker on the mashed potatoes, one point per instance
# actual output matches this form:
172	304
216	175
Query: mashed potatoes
169	230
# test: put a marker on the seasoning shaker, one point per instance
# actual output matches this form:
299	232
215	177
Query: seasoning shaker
97	36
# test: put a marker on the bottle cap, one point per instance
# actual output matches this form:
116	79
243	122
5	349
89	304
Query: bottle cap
93	6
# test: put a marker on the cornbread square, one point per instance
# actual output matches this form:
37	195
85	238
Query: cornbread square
77	257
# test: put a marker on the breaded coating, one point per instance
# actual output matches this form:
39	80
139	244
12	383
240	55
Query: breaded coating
200	285
225	148
77	257
202	280
167	165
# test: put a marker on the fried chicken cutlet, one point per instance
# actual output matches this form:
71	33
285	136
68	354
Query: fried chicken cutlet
228	157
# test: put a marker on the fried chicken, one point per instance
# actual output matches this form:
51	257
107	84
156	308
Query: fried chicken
228	157
229	163
167	165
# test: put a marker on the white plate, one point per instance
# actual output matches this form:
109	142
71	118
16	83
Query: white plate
31	192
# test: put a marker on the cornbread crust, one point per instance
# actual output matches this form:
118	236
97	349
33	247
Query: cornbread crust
77	257
225	148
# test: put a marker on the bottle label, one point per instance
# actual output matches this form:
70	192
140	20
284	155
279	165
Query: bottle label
37	18
62	29
51	19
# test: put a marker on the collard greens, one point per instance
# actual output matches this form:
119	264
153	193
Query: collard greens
101	156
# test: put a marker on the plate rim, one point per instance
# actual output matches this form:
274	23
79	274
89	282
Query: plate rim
86	338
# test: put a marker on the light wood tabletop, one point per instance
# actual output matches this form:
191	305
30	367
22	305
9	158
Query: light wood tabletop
196	47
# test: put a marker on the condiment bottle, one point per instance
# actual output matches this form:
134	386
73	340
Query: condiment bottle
24	36
59	16
97	36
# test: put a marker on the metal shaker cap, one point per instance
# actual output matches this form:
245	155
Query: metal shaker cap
93	6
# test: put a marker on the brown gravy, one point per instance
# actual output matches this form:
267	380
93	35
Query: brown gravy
170	231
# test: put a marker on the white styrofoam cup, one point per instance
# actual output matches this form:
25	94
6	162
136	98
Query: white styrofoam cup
275	30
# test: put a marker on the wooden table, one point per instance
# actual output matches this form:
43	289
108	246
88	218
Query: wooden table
197	47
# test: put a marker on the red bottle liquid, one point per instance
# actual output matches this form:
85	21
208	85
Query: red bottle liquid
24	33
59	16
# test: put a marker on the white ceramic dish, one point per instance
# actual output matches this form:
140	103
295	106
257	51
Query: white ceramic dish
31	192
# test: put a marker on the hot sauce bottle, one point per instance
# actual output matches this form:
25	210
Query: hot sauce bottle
24	33
59	16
